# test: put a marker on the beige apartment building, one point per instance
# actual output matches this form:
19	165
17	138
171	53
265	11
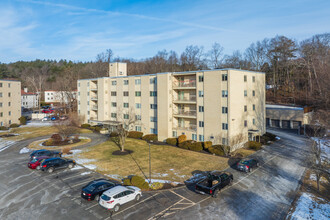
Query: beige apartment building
10	102
225	106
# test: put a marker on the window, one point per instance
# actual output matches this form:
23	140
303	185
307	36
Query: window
224	77
0	84
79	103
87	102
88	112
78	84
245	123
254	121
245	93
201	124
201	108
1	114
138	93
138	82
78	93
253	78
87	93
114	104
9	122
113	115
153	93
125	93
153	80
153	119
194	137
224	141
126	105
87	85
0	104
137	105
201	78
113	83
245	108
201	137
113	93
125	82
153	106
137	128
0	94
153	131
224	110
9	94
224	93
201	93
174	134
254	107
253	93
224	126
245	78
9	103
138	117
126	116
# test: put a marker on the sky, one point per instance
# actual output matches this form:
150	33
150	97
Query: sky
78	30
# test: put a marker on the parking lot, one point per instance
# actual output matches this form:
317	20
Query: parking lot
264	193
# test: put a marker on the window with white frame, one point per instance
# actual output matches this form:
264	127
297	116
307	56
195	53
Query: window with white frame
201	137
138	82
137	128
153	106
138	93
125	82
194	137
201	93
224	77
153	119
126	105
224	110
153	93
114	83
224	93
201	124
137	105
201	108
224	126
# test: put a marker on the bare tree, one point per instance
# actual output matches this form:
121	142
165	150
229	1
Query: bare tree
216	55
256	54
66	128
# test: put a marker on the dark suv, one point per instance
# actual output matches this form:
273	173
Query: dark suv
52	164
93	190
43	152
247	165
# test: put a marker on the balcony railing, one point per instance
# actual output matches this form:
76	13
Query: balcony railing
93	118
187	127
185	83
94	107
94	98
185	113
191	98
94	89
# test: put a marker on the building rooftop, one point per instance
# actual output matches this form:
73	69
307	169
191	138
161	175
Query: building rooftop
290	107
27	93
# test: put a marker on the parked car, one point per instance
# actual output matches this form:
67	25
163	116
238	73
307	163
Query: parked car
43	152
54	118
113	198
51	164
46	119
35	163
64	117
247	165
94	189
214	182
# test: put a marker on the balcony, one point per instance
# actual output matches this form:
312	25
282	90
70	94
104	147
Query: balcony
185	114
94	107
94	98
189	99
185	84
187	127
94	89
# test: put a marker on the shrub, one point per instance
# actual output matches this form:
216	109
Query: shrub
139	182
135	134
150	137
254	145
49	142
207	144
185	144
220	150
271	136
3	128
14	126
66	150
22	120
113	134
182	138
172	141
85	126
127	182
56	137
196	146
97	128
156	186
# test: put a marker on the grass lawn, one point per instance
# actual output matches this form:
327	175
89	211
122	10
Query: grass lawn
244	152
32	132
36	145
167	163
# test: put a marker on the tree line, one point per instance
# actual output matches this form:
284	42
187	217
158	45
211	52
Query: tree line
297	72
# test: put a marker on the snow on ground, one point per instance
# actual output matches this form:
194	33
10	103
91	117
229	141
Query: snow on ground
162	181
90	166
77	168
313	177
311	207
25	150
85	173
278	138
325	143
37	124
4	144
114	176
195	178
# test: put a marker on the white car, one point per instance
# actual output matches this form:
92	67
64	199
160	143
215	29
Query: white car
113	198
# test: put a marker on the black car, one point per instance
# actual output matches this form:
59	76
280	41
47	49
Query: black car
52	164
94	189
48	153
214	182
247	165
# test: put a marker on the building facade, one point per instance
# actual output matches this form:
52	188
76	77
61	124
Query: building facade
29	99
10	102
62	97
224	106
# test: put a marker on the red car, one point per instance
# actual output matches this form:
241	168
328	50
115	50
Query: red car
35	163
47	111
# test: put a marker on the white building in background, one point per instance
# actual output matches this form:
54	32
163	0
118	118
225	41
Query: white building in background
62	97
29	99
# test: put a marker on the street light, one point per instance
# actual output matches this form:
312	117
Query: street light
150	163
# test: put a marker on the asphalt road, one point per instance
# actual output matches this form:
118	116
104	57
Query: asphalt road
265	193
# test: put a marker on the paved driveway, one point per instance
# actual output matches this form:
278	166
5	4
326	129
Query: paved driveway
265	193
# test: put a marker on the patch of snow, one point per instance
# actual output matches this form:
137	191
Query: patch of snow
311	207
278	138
38	124
114	176
83	161
4	144
325	146
85	173
172	169
162	181
313	177
25	150
82	138
77	168
195	178
42	141
90	166
77	151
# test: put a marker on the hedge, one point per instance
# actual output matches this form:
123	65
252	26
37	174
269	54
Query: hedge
135	134
254	145
218	149
14	126
127	182
3	128
207	144
138	182
85	126
113	134
172	141
185	145
182	138
22	120
196	146
56	137
150	137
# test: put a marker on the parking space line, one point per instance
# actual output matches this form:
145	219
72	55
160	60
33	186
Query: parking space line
70	177
80	183
165	210
182	196
92	206
134	205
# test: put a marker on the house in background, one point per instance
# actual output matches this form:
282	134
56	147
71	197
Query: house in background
10	102
29	99
59	97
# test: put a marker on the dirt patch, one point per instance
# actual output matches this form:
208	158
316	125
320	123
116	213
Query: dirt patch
62	143
121	153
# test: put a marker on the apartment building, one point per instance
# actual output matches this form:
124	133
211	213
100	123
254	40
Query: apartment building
10	102
225	106
62	97
29	99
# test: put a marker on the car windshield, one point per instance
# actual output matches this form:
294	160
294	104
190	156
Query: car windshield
244	162
105	197
34	160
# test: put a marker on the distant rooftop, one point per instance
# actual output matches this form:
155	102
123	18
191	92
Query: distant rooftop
273	106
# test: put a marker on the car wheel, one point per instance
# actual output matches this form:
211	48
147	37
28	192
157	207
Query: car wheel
250	170
215	194
137	198
50	170
97	198
116	208
230	182
38	168
70	166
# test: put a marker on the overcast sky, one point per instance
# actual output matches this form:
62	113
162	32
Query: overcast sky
79	29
